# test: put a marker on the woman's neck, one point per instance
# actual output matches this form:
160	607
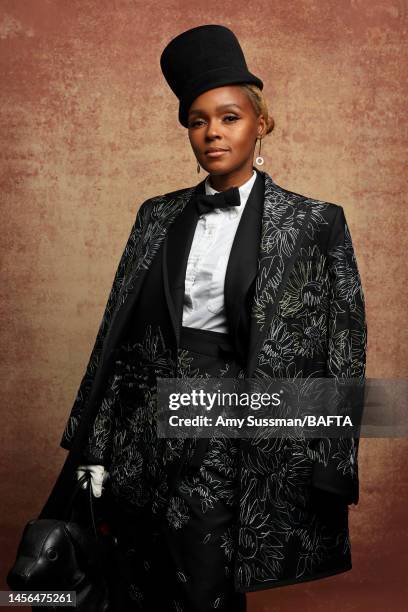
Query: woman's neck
222	182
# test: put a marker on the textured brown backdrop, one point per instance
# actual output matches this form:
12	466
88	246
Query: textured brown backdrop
90	131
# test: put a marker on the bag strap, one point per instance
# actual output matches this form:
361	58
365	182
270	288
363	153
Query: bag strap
85	477
101	558
71	500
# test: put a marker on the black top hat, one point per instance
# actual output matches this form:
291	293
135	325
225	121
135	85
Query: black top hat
202	58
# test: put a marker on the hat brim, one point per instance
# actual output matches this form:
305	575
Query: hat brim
210	80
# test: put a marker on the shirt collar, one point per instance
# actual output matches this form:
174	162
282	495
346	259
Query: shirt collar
244	191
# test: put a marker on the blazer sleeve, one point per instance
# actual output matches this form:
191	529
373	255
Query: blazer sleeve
130	252
336	466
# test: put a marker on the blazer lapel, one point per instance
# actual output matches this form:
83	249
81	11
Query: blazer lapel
243	266
284	222
176	249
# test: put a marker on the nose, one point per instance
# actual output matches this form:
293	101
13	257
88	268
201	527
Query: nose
213	130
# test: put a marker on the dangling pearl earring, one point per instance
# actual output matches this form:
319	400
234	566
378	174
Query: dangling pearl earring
259	160
198	167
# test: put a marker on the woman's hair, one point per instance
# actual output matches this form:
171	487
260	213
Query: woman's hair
259	103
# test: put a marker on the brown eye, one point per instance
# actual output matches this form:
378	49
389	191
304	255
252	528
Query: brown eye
233	117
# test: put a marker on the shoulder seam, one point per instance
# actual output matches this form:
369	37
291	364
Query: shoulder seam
306	198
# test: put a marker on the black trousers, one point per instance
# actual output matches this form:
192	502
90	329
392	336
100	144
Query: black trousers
180	558
158	569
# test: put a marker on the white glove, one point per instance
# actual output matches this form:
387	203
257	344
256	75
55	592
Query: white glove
98	477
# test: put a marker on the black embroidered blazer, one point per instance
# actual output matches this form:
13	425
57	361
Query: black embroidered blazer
307	319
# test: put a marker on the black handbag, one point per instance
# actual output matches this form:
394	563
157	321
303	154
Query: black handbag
66	555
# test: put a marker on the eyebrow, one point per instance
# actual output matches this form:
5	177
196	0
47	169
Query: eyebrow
219	107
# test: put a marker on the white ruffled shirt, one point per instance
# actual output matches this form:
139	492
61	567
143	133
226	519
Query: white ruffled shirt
203	306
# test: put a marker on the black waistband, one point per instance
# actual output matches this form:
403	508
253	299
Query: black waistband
204	340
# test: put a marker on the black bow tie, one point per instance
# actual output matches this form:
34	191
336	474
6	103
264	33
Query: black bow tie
221	199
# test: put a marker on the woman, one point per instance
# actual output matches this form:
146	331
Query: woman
235	277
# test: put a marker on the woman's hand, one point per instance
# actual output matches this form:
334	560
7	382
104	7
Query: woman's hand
98	477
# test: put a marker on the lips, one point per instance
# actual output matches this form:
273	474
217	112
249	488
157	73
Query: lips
215	152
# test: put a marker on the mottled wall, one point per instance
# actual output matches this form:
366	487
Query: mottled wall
89	131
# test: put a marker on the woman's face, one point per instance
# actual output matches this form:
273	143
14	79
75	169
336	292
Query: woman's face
224	118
